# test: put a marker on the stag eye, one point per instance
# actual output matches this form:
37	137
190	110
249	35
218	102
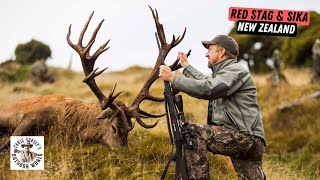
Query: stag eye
114	130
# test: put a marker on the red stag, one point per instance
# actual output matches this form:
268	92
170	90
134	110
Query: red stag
110	123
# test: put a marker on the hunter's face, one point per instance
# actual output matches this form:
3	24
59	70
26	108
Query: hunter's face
214	54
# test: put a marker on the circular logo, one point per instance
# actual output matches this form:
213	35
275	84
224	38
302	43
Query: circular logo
27	152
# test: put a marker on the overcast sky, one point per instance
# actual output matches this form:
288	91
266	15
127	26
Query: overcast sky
128	23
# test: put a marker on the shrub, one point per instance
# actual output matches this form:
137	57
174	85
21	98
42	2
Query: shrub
32	51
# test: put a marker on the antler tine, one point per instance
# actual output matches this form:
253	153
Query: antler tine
157	15
105	44
159	27
154	16
175	41
162	35
152	98
85	27
138	119
179	39
68	39
89	61
101	49
110	98
145	114
91	41
95	32
93	74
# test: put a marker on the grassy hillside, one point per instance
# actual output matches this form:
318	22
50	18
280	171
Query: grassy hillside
293	150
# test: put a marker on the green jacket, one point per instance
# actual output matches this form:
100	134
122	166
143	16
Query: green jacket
231	93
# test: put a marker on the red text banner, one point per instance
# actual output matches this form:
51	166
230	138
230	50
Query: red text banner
269	15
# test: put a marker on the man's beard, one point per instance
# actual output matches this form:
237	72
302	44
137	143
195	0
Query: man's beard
210	64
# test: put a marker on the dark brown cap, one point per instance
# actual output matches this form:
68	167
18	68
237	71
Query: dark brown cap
224	41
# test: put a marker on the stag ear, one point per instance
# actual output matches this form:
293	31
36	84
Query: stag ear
105	114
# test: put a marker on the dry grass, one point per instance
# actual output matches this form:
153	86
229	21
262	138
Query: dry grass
148	149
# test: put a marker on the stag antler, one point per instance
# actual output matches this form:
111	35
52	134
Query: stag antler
88	62
144	93
119	109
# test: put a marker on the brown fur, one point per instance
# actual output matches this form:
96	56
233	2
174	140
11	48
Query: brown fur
35	115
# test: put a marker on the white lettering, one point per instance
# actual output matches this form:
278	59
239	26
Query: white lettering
266	27
270	30
285	29
261	27
240	26
280	29
292	29
252	27
246	26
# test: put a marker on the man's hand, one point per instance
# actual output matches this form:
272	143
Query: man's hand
183	59
165	73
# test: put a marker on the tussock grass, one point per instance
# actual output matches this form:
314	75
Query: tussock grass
292	138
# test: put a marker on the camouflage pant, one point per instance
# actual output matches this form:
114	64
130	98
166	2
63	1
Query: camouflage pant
245	151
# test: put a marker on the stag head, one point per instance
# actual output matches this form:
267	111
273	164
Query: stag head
116	114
